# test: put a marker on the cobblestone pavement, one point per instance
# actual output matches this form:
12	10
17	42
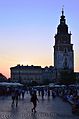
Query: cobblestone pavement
46	109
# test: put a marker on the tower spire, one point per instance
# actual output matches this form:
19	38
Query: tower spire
62	20
63	10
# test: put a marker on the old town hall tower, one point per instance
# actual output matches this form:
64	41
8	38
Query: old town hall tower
63	49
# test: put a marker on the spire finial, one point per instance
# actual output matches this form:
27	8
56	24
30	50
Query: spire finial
63	10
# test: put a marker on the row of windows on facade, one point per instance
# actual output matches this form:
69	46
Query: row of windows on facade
27	73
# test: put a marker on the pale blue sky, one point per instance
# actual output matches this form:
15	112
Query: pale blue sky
27	29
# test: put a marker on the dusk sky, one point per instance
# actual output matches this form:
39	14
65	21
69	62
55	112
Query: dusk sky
27	30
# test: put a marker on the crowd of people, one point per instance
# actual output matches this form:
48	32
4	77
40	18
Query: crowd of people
66	93
16	94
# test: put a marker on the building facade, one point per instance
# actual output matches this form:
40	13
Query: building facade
27	74
63	49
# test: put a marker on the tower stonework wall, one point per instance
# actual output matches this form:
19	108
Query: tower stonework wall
63	49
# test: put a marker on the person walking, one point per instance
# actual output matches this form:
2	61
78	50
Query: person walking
34	100
16	97
13	98
42	94
23	93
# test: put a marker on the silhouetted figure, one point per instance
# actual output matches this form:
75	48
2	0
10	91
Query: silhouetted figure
19	94
15	96
39	92
42	93
53	94
34	100
48	93
23	93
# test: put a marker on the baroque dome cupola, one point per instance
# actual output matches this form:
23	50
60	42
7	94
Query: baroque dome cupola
62	27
